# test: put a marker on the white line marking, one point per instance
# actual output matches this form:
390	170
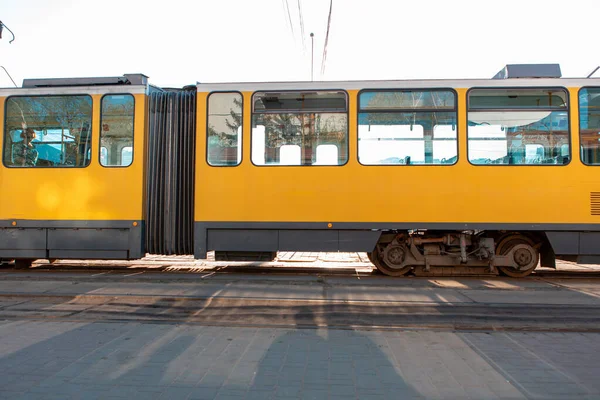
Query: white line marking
135	273
207	275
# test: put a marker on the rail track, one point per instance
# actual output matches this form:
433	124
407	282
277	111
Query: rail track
292	299
243	312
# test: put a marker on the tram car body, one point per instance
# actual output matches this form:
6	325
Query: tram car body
427	176
73	189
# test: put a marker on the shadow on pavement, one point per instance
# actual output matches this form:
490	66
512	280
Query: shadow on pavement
323	363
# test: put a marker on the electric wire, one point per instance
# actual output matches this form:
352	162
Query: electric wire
286	8
301	26
326	39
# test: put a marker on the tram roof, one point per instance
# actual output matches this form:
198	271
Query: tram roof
396	84
107	88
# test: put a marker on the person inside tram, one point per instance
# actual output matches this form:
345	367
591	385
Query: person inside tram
24	153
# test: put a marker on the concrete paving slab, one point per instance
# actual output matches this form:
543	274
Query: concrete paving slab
385	294
142	361
556	297
574	283
490	283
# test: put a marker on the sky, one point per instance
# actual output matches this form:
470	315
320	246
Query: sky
178	42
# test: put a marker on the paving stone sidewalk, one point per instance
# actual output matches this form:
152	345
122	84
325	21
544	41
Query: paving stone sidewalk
67	360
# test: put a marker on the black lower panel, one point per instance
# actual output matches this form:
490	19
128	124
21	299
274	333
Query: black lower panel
9	254
89	254
290	240
22	239
245	255
243	240
575	243
304	240
72	239
271	240
97	239
588	260
579	241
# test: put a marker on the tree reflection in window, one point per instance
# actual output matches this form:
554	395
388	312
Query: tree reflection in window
224	136
518	126
300	128
47	131
589	125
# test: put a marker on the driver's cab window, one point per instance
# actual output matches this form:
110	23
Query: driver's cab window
47	131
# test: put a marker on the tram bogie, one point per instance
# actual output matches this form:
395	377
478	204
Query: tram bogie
462	252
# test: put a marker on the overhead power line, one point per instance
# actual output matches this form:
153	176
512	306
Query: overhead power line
326	39
286	9
301	26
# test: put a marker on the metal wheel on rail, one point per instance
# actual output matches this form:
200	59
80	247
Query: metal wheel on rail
526	255
384	267
370	255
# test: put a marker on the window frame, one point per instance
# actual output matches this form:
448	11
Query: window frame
46	95
569	130
100	133
409	110
346	113
206	129
579	123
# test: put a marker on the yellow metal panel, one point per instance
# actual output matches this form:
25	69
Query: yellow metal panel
357	193
91	193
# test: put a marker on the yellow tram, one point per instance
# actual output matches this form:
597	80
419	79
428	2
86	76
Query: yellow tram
492	175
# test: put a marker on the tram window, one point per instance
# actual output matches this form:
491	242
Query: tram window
300	128
290	154
126	155
487	143
525	99
327	154
407	127
116	133
589	125
444	143
224	146
518	127
103	155
407	100
47	131
534	153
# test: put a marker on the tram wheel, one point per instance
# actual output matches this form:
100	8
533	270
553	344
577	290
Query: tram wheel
370	255
526	255
377	260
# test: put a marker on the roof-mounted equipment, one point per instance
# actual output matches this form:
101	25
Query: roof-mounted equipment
127	79
525	71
